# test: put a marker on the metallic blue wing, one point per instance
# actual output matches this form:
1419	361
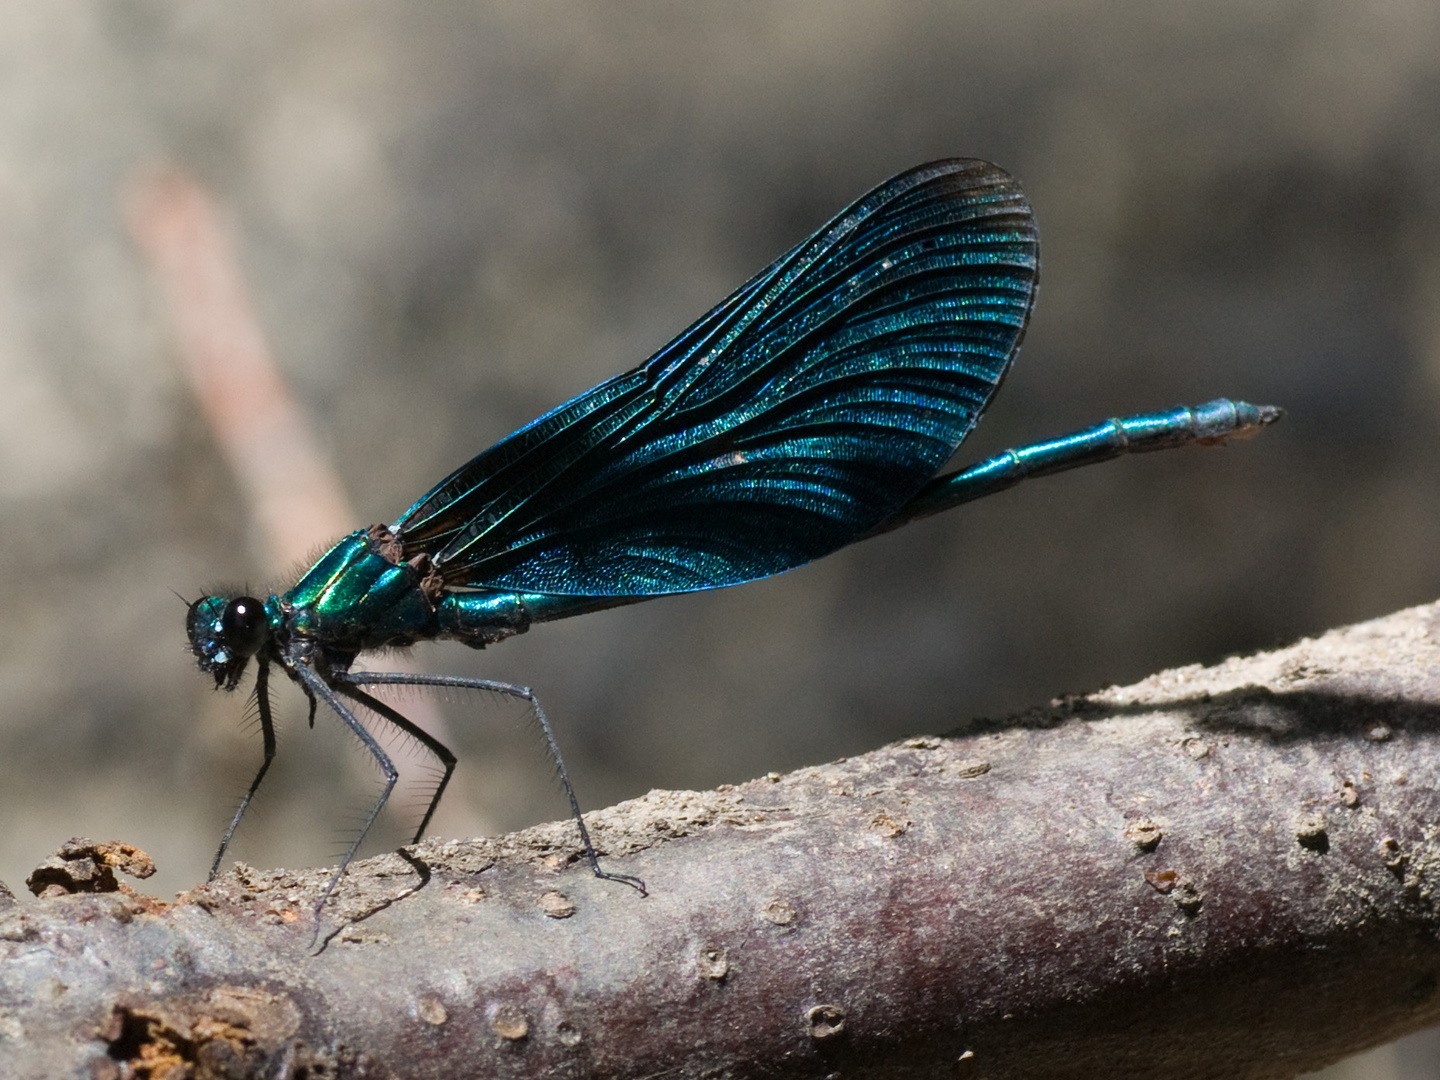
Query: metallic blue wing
789	421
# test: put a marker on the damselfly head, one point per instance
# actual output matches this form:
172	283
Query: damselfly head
224	633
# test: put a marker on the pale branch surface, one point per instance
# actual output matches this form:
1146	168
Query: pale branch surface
1224	872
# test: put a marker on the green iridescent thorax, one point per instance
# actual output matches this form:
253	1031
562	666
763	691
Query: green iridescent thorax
354	599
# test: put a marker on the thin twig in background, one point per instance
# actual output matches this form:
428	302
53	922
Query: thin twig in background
293	493
264	433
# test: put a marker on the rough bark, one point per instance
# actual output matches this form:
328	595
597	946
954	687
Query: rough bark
1223	872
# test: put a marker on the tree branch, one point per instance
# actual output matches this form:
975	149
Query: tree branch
1224	872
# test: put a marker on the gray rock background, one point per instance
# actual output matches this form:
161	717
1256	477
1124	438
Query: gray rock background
454	216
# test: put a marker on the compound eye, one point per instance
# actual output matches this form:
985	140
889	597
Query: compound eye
243	624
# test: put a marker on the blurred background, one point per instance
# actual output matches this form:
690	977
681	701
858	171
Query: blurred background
453	216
